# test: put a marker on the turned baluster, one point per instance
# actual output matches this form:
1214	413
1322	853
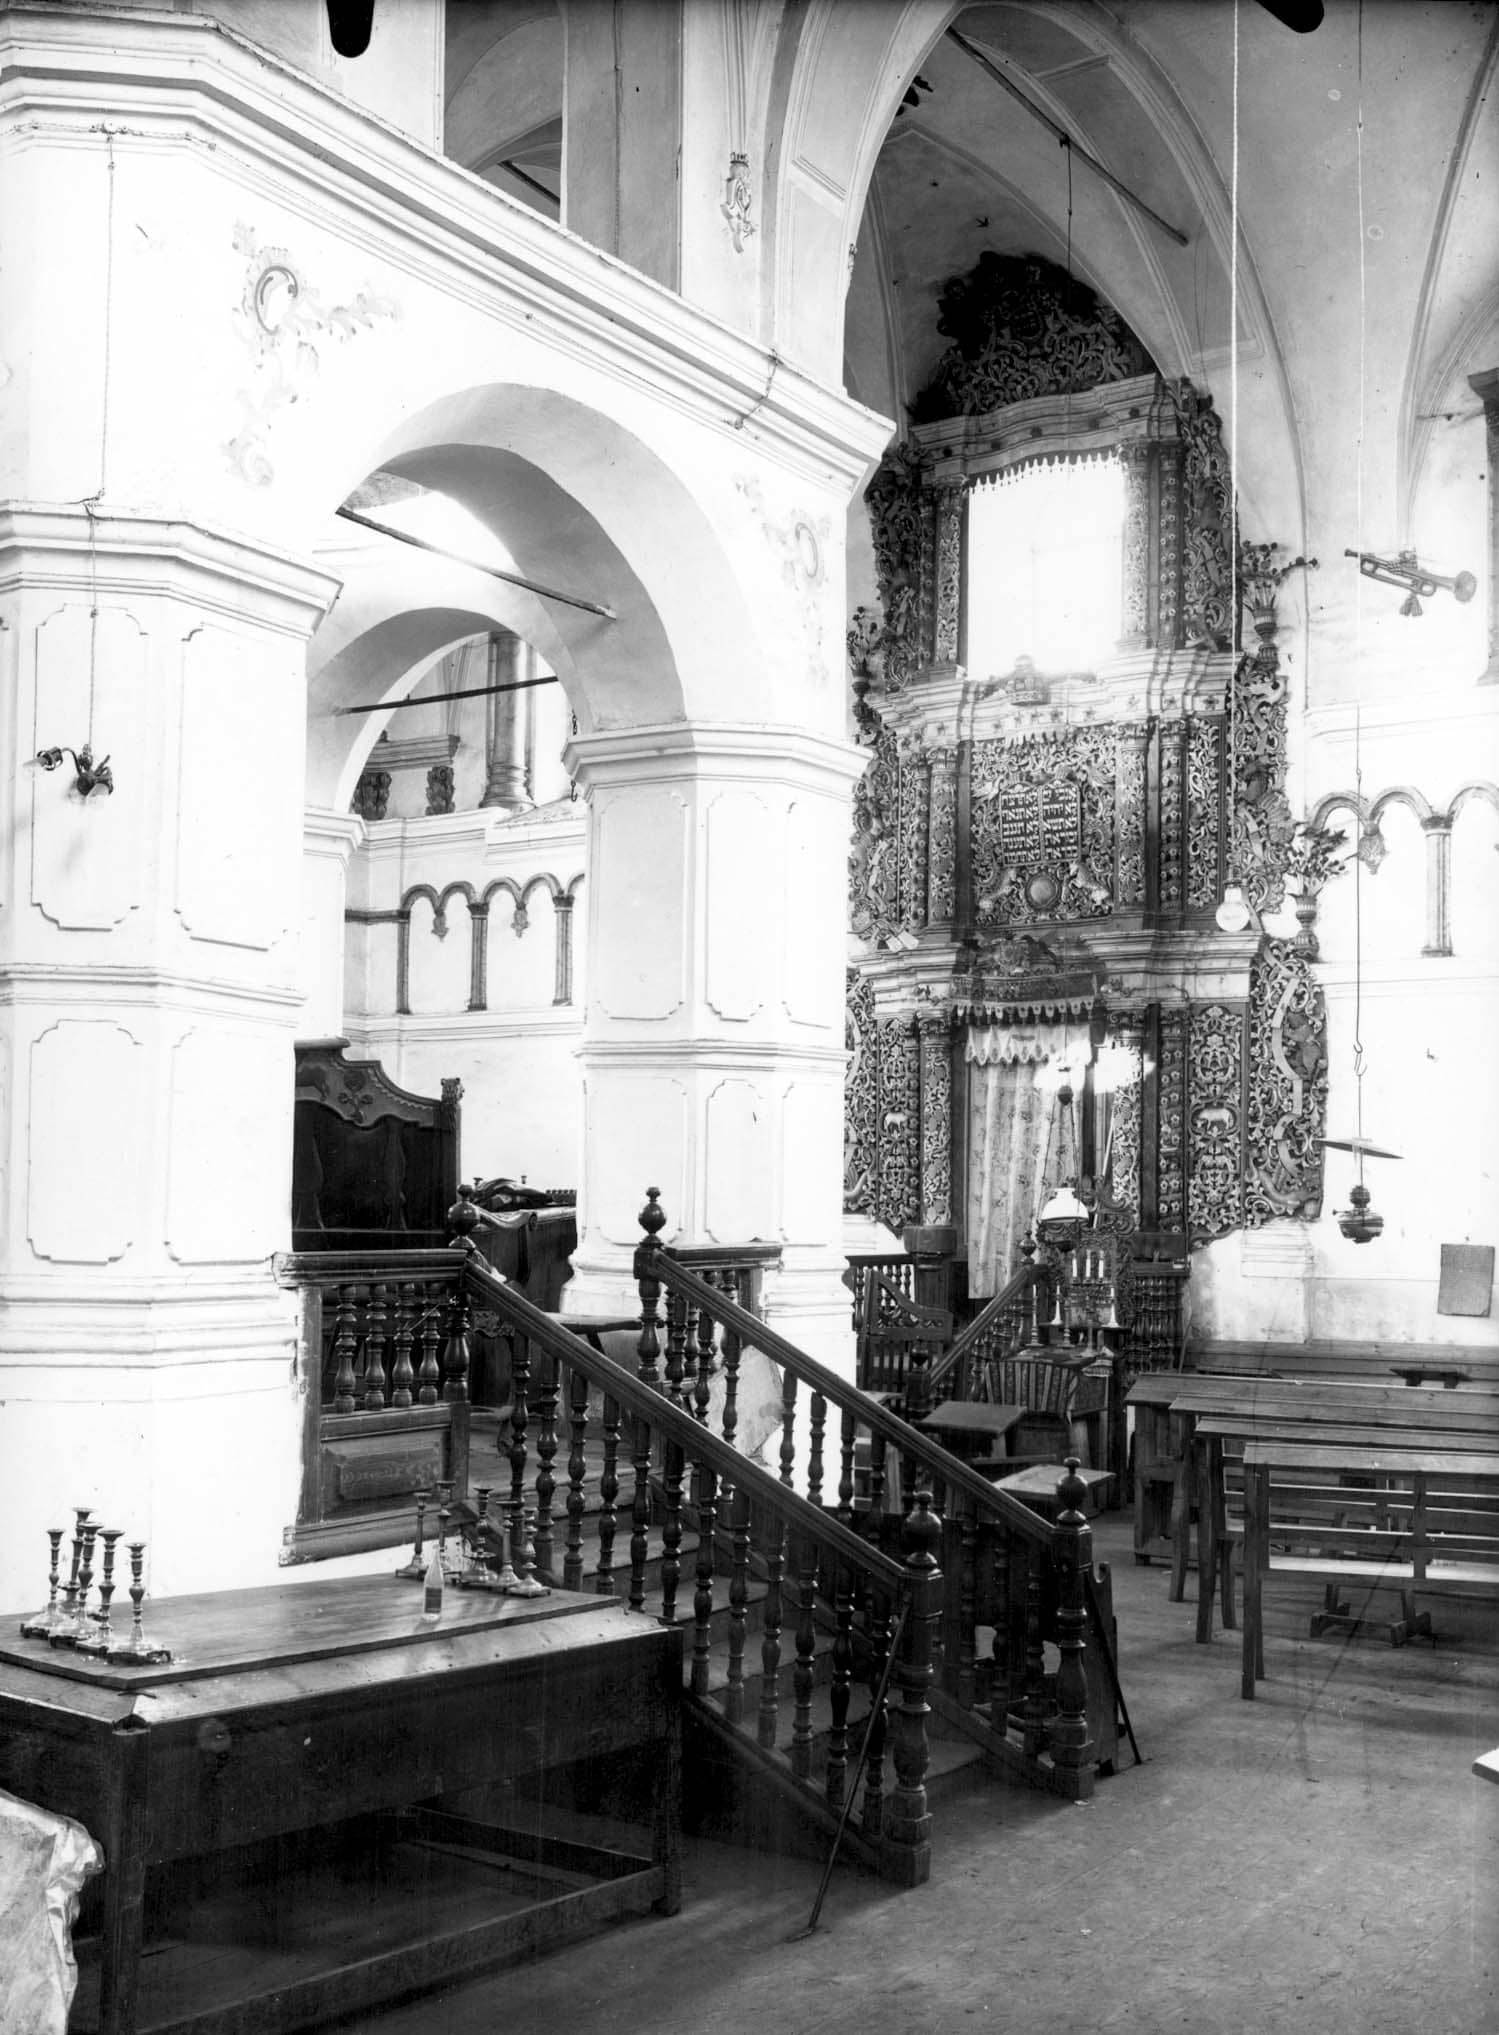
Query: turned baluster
767	1723
703	1383
876	1474
702	1596
846	1468
788	1425
730	1348
519	1449
673	1465
841	1687
872	1813
45	1623
648	1277
402	1377
608	1493
640	1511
1072	1557
968	1542
429	1374
456	1355
1033	1711
992	1677
816	1428
577	1471
373	1400
676	1347
345	1346
918	1392
546	1454
738	1605
804	1674
908	1821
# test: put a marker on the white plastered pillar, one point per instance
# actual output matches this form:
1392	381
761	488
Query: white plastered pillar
149	998
329	840
713	1045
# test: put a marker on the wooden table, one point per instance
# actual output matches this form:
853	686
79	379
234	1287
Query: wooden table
304	1705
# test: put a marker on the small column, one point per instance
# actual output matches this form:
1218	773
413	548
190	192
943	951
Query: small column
947	620
942	836
1438	831
562	909
1486	387
1136	462
936	1118
507	739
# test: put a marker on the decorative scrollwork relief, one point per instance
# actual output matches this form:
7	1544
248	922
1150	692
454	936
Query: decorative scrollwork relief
897	519
1208	598
861	1095
942	836
1260	819
949	574
1025	867
1123	1183
1022	327
915	773
936	1120
874	858
1215	1107
898	1189
1287	1107
1129	814
1204	810
1171	1143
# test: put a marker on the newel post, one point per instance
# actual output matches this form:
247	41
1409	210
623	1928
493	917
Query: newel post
1072	1750
908	1822
648	1277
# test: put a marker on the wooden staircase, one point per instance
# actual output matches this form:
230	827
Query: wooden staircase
794	1590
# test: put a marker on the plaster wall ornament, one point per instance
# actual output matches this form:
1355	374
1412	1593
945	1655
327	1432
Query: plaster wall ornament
1286	1089
738	201
285	327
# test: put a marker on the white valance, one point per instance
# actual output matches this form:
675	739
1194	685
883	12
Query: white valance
1025	1045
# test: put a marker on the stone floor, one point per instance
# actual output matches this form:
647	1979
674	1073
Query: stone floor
1320	1858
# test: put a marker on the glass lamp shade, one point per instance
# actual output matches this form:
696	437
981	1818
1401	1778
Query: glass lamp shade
1233	914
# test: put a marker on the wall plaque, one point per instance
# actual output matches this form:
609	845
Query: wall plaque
1041	823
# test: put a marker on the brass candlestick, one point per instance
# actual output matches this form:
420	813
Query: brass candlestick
523	1580
45	1622
416	1568
65	1631
483	1538
138	1648
102	1637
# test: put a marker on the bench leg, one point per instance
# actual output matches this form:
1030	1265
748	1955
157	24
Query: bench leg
1411	1624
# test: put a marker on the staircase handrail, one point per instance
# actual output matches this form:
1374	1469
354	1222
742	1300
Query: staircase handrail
646	1402
871	1412
981	1325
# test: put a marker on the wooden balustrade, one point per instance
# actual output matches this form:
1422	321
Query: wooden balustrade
1010	1571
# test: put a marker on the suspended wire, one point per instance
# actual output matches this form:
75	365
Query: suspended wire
1232	689
90	503
1358	613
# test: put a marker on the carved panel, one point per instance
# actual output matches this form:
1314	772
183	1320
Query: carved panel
1023	327
738	1162
898	515
242	712
85	1144
1170	811
942	836
637	962
88	854
949	563
1123	1170
861	1098
1287	1105
1136	617
1207	567
1129	811
1050	885
1204	827
1171	1139
217	1213
1167	633
1261	821
936	1120
1215	1101
898	1192
874	858
915	773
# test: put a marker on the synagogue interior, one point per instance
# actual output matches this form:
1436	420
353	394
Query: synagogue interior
749	922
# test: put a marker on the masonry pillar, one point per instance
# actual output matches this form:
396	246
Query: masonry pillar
507	726
713	1044
329	840
150	994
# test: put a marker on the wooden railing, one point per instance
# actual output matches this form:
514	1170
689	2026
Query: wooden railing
895	1331
1015	1315
1006	1566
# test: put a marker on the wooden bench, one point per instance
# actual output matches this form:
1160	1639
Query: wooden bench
1212	1413
1370	1517
1458	1365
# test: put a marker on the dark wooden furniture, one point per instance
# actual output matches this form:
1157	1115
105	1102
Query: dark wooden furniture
1157	1469
1362	1517
299	1707
374	1167
975	1431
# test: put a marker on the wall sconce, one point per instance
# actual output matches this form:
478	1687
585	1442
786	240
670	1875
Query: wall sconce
1403	570
91	776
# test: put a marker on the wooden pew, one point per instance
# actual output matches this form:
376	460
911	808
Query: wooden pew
1452	1365
1366	1515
